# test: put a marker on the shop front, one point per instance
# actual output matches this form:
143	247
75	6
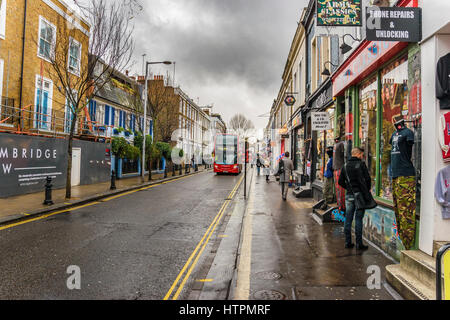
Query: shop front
319	136
380	83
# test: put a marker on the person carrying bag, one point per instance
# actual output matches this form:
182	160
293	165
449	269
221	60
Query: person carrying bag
355	178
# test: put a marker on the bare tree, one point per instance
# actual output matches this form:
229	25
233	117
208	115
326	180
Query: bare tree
162	108
110	50
240	125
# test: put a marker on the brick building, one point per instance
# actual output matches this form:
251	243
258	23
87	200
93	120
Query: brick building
30	33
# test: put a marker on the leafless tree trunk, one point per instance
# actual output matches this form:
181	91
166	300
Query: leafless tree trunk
110	50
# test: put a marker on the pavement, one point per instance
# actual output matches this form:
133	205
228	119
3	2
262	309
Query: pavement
27	205
276	250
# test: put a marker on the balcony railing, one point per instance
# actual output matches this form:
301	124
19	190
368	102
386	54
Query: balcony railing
57	123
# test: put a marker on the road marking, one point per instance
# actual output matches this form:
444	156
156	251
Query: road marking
223	236
201	244
80	207
204	280
46	216
244	267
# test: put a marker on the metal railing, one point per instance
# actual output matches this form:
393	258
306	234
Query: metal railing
57	123
440	254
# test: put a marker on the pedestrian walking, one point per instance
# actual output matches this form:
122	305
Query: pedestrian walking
258	164
266	170
284	170
328	194
356	180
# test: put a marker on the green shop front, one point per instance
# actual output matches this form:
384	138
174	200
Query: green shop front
377	83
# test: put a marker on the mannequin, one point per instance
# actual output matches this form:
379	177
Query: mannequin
403	182
338	163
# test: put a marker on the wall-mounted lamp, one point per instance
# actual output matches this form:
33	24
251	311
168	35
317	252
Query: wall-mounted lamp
325	71
345	47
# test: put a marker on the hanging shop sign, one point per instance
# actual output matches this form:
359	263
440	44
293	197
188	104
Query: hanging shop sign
320	121
290	100
394	24
339	13
297	121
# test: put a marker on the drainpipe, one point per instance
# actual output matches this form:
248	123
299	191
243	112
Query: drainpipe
23	59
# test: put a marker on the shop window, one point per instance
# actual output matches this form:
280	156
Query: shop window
368	125
394	98
320	155
299	150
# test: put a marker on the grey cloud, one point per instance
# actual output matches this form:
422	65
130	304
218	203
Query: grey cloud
239	44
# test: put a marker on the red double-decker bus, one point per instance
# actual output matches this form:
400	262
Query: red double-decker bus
227	154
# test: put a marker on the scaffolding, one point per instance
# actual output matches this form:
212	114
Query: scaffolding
56	123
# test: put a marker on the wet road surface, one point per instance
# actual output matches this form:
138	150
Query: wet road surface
129	247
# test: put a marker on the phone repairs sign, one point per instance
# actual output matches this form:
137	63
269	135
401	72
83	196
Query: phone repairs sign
394	24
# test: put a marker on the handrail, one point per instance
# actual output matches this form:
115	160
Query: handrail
439	256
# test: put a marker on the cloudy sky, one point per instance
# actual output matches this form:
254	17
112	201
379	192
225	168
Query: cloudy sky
230	53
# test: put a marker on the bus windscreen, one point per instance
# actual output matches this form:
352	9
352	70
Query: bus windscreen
226	150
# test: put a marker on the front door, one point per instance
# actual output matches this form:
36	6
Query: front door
76	166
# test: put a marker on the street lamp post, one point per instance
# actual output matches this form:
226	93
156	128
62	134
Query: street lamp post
145	115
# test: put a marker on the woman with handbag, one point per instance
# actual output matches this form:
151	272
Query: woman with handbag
355	178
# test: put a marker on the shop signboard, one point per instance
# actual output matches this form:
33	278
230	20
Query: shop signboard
320	121
339	13
290	100
394	24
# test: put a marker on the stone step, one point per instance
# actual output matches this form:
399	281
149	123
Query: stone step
437	245
408	286
302	192
420	265
325	215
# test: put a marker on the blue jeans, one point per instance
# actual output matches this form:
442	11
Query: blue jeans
350	212
259	170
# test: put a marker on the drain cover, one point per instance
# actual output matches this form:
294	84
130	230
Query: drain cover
259	214
269	295
268	275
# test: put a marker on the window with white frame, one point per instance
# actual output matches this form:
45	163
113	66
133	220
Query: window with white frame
47	38
1	80
44	101
74	56
2	19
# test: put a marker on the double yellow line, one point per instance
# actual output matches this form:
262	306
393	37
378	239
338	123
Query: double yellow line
200	248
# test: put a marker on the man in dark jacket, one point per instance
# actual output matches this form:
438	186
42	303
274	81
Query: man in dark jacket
353	174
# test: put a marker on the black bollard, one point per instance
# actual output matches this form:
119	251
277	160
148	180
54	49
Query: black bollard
173	170
196	168
113	180
165	172
48	192
181	170
186	171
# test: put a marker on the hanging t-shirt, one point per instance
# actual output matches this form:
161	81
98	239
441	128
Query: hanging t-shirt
338	156
402	142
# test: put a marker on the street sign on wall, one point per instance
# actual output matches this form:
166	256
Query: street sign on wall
339	13
320	121
394	24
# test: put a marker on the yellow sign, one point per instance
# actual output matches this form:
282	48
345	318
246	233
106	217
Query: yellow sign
446	262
